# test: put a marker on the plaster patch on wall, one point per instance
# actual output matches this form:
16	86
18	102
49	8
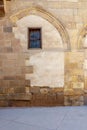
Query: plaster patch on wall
48	69
50	35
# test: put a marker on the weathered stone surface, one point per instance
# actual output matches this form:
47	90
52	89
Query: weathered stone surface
28	69
74	100
19	89
2	11
27	83
27	89
68	92
3	103
20	96
35	89
44	90
85	99
7	29
25	72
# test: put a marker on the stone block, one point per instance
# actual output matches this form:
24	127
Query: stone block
60	98
85	99
3	103
56	90
44	90
9	49
2	37
27	63
35	90
1	83
27	89
19	89
27	83
78	101
68	92
67	101
78	91
19	103
1	90
74	78
74	100
28	69
3	97
11	90
20	96
17	83
79	85
2	12
80	78
5	83
9	78
7	29
20	77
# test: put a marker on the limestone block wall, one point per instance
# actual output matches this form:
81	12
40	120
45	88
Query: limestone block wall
74	78
62	78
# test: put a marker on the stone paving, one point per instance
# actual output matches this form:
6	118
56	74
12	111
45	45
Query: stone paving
44	118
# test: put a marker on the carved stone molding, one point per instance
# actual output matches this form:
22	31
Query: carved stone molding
81	38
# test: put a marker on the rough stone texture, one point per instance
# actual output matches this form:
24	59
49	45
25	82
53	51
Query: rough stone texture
53	75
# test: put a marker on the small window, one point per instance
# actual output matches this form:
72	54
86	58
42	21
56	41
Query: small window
34	35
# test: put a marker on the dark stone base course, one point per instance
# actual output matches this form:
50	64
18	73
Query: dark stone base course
39	100
19	100
38	96
3	103
37	103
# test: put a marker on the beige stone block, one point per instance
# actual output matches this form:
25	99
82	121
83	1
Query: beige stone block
78	85
74	57
56	90
27	69
19	89
79	25
27	89
21	96
62	4
74	78
27	63
78	72
68	92
44	90
85	64
67	101
82	4
27	76
1	35
78	91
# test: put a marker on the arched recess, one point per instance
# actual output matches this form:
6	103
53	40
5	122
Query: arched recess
81	37
49	17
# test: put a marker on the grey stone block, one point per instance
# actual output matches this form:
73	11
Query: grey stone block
7	29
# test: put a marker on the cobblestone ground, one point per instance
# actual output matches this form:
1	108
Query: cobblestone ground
44	118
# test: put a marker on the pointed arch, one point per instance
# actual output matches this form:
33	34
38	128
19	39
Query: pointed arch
49	17
81	36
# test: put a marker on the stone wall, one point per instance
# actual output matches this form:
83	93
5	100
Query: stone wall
63	78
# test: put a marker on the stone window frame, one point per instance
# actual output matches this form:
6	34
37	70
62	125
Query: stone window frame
35	28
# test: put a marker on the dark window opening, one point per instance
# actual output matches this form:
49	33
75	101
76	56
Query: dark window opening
34	35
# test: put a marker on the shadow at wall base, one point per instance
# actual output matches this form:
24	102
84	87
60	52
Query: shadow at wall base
44	100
